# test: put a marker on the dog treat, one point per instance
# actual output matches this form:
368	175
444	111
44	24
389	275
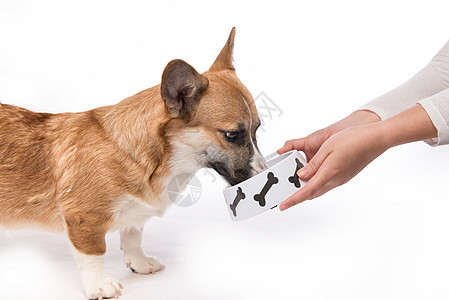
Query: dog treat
295	179
240	195
271	180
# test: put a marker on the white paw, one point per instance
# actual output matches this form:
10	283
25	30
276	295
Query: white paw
103	288
139	263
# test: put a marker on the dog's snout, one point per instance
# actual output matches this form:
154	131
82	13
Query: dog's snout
258	164
239	176
220	168
242	174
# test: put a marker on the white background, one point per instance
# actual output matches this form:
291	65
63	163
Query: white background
384	235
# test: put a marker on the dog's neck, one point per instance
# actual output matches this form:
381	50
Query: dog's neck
134	124
140	127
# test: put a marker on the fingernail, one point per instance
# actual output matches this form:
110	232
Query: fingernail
302	173
283	207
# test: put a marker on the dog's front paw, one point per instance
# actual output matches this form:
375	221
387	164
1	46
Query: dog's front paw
103	288
143	264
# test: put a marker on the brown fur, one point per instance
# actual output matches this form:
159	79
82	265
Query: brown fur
66	171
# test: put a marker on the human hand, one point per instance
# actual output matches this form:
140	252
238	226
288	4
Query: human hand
337	160
309	145
345	154
312	143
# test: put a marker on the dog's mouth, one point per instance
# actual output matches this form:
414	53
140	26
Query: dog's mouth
232	178
220	168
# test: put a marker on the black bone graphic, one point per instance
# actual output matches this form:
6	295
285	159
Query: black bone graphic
271	180
240	195
295	179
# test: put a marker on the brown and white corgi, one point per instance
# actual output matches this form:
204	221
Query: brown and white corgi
108	168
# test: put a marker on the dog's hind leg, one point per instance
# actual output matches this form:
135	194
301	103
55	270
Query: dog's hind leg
134	257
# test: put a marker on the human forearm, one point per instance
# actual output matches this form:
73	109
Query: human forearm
408	126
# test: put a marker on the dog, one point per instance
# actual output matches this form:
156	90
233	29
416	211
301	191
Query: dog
107	169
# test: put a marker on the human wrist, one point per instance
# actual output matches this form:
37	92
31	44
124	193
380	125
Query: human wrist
357	118
408	126
361	117
381	135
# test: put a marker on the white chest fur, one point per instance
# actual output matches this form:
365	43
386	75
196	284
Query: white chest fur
132	212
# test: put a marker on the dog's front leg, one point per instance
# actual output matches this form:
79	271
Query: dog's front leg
89	247
134	257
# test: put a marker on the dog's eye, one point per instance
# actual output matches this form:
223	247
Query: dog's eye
236	137
231	136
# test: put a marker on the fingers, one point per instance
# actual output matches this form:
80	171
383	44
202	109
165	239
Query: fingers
297	144
306	193
309	170
314	187
313	165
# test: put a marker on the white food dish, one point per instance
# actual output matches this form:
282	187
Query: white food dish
268	188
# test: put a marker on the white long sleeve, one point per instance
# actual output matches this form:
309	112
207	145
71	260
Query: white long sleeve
430	88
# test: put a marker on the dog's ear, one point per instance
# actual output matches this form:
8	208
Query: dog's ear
224	59
181	88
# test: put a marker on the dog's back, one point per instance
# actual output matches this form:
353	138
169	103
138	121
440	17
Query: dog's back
38	164
24	166
51	163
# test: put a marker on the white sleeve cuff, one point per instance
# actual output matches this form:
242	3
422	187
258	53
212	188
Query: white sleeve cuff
382	113
438	121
